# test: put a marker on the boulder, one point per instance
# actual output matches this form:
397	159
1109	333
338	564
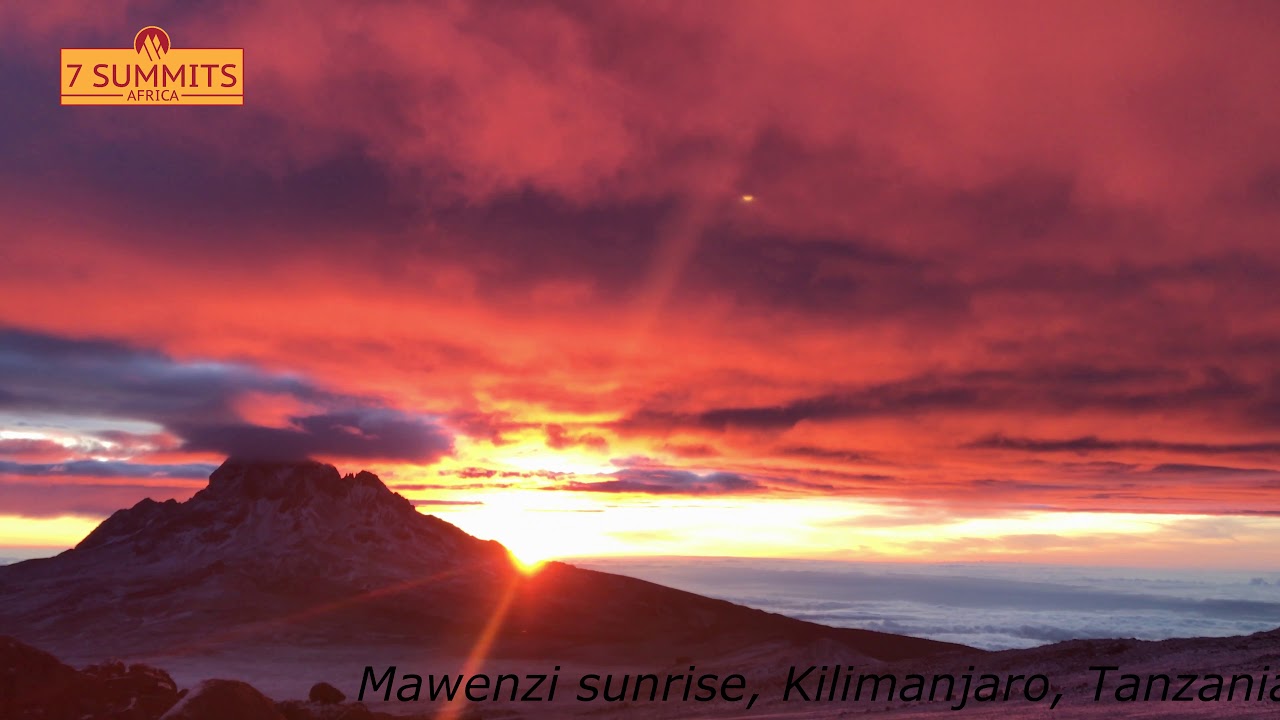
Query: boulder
222	700
136	692
35	684
325	694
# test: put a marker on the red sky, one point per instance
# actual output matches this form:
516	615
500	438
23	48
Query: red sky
1006	288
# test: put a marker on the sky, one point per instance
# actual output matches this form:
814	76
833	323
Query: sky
988	281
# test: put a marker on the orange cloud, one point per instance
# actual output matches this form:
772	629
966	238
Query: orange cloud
996	261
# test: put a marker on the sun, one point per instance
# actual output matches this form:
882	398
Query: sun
527	566
532	533
530	552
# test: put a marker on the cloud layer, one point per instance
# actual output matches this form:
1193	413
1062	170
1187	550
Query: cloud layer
998	259
224	408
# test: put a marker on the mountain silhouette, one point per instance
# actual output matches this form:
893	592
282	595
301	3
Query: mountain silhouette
293	552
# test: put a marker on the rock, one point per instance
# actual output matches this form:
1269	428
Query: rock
34	684
138	692
325	694
222	700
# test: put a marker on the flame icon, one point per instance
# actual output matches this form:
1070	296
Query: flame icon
153	41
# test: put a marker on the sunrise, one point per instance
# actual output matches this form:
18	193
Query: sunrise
934	329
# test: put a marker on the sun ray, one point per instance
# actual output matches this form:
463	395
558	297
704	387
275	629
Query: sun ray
484	642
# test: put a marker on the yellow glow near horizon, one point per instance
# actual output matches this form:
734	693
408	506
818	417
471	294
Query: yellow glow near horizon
61	531
538	525
536	522
541	524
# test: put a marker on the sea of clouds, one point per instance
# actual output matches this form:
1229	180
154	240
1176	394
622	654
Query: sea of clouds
993	606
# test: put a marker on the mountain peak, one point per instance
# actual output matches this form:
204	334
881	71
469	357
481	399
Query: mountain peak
260	478
296	482
252	509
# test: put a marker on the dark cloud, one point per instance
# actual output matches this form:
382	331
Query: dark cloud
199	402
518	240
1207	470
418	487
51	374
472	472
1089	443
848	278
885	400
344	190
1032	389
366	434
819	453
108	469
666	481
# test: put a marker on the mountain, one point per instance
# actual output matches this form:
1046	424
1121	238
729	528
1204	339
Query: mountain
295	553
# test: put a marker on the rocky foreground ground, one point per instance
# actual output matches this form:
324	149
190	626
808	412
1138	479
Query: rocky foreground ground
35	685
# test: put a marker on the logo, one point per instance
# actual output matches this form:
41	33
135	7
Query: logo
152	72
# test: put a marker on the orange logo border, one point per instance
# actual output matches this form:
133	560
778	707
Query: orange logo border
152	71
